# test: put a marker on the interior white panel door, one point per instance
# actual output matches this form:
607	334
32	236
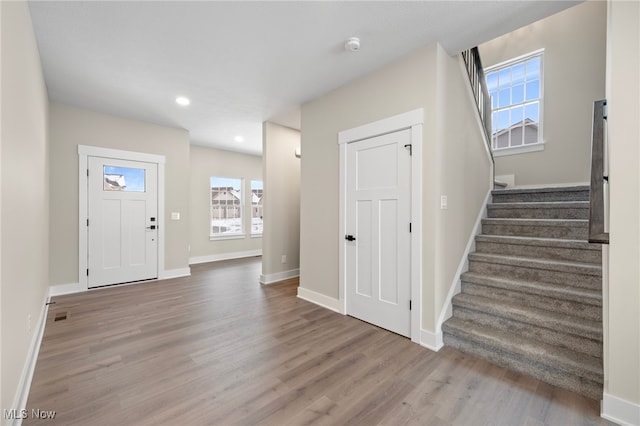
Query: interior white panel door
378	240
123	221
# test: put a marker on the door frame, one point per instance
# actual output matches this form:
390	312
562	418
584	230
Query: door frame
413	120
85	151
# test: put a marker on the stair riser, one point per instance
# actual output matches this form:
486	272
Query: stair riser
542	290
498	212
582	328
576	309
540	252
588	388
560	232
574	342
535	274
544	197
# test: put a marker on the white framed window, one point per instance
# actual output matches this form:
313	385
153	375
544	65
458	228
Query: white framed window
257	192
516	90
226	207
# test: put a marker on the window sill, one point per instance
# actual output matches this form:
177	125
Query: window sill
256	235
226	237
534	147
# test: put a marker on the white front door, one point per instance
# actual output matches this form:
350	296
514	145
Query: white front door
122	221
378	240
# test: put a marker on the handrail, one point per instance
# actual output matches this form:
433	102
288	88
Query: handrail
599	179
473	64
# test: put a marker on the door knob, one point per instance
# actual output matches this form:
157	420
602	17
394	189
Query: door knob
151	227
349	238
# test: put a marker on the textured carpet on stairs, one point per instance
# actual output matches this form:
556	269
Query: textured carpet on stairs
532	298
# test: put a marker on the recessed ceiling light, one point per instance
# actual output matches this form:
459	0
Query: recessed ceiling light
238	139
181	100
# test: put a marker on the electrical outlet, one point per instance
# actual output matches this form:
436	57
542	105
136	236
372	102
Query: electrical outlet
284	258
29	323
443	202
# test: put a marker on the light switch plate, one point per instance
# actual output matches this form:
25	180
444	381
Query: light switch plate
175	215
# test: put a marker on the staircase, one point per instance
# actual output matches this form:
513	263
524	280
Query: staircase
532	298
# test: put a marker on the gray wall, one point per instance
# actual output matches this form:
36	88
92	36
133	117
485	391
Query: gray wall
403	86
25	194
454	162
281	201
574	77
462	171
207	162
70	127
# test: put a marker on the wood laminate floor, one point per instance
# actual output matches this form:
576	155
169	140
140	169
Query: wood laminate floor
218	348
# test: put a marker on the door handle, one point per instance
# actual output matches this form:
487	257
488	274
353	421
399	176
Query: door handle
151	227
349	238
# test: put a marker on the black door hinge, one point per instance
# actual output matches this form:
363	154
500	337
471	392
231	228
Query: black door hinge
87	172
87	271
409	226
410	148
87	222
409	304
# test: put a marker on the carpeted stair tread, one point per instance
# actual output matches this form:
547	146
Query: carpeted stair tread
542	204
534	351
540	210
539	241
531	299
543	228
525	314
552	265
560	338
540	248
559	291
573	193
538	222
540	190
562	306
508	352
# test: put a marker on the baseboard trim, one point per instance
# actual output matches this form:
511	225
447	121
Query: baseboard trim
455	286
320	299
620	411
71	288
62	289
168	274
24	385
430	340
279	276
224	256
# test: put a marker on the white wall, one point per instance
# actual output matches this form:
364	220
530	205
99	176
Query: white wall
454	163
622	354
207	162
574	77
25	194
70	127
281	202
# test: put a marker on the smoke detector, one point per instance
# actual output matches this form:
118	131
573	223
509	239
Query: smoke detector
352	44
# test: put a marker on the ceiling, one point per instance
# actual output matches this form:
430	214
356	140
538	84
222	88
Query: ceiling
240	62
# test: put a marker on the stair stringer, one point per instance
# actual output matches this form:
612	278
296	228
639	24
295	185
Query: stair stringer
446	310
